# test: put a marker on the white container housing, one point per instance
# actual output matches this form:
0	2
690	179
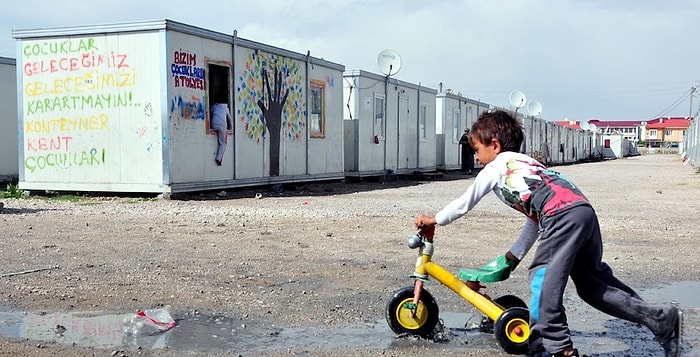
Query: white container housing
614	146
389	126
9	167
127	107
454	114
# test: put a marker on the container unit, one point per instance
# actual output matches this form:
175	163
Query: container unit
631	148
532	136
558	144
569	145
126	107
535	137
454	113
613	146
389	125
691	144
9	168
588	144
546	147
591	144
576	145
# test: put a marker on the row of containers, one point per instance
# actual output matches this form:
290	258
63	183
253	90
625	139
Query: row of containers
126	108
691	145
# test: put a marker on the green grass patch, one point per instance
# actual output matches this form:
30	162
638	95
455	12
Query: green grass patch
11	191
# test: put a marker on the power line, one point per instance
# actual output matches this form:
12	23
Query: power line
676	103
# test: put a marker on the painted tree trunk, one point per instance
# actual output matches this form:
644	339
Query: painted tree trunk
272	116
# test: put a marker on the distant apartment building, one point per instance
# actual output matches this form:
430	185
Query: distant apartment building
668	132
630	129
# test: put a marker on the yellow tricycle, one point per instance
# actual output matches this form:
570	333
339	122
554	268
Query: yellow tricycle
413	310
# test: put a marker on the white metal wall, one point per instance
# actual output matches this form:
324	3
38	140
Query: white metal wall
192	146
360	92
405	145
691	144
451	115
90	113
9	168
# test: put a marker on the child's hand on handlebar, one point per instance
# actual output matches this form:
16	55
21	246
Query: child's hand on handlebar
426	225
425	222
510	257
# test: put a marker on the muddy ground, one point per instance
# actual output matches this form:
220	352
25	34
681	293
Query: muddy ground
308	269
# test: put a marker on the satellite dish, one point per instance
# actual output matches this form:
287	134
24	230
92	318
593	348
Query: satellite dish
534	108
592	127
584	125
517	99
389	62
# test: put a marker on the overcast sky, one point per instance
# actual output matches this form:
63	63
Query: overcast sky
581	59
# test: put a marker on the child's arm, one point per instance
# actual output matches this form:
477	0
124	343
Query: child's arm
525	240
484	182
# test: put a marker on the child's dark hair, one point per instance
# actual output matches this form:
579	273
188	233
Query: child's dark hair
498	124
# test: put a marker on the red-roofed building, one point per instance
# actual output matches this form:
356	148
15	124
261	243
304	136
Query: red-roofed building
569	124
665	131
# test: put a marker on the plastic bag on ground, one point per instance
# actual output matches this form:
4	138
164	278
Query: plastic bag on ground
149	322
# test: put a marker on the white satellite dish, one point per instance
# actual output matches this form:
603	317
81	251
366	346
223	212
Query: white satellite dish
584	125
534	108
517	99
592	127
389	62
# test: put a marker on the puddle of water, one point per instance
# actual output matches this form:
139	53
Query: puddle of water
684	294
592	331
198	333
84	329
206	334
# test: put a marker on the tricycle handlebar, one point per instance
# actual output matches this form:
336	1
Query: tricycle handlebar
415	241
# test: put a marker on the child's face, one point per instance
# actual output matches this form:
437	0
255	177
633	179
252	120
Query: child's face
486	153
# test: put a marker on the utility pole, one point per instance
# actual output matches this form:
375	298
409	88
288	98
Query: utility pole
692	91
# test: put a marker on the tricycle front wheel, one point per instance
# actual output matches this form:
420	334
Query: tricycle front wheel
403	316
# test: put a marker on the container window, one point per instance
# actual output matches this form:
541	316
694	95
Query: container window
378	117
317	116
218	87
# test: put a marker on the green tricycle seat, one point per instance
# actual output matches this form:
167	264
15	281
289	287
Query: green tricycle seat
495	270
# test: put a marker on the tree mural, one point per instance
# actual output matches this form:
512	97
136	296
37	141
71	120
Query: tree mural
270	98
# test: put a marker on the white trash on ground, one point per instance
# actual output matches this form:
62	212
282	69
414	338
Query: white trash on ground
149	322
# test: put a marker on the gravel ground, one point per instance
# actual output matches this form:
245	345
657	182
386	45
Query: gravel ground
326	257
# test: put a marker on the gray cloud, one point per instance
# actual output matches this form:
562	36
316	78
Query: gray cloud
616	60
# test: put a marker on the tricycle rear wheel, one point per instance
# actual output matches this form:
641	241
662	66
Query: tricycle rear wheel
512	330
508	301
505	302
399	314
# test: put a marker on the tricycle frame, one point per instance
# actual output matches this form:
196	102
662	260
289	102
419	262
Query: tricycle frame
410	309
